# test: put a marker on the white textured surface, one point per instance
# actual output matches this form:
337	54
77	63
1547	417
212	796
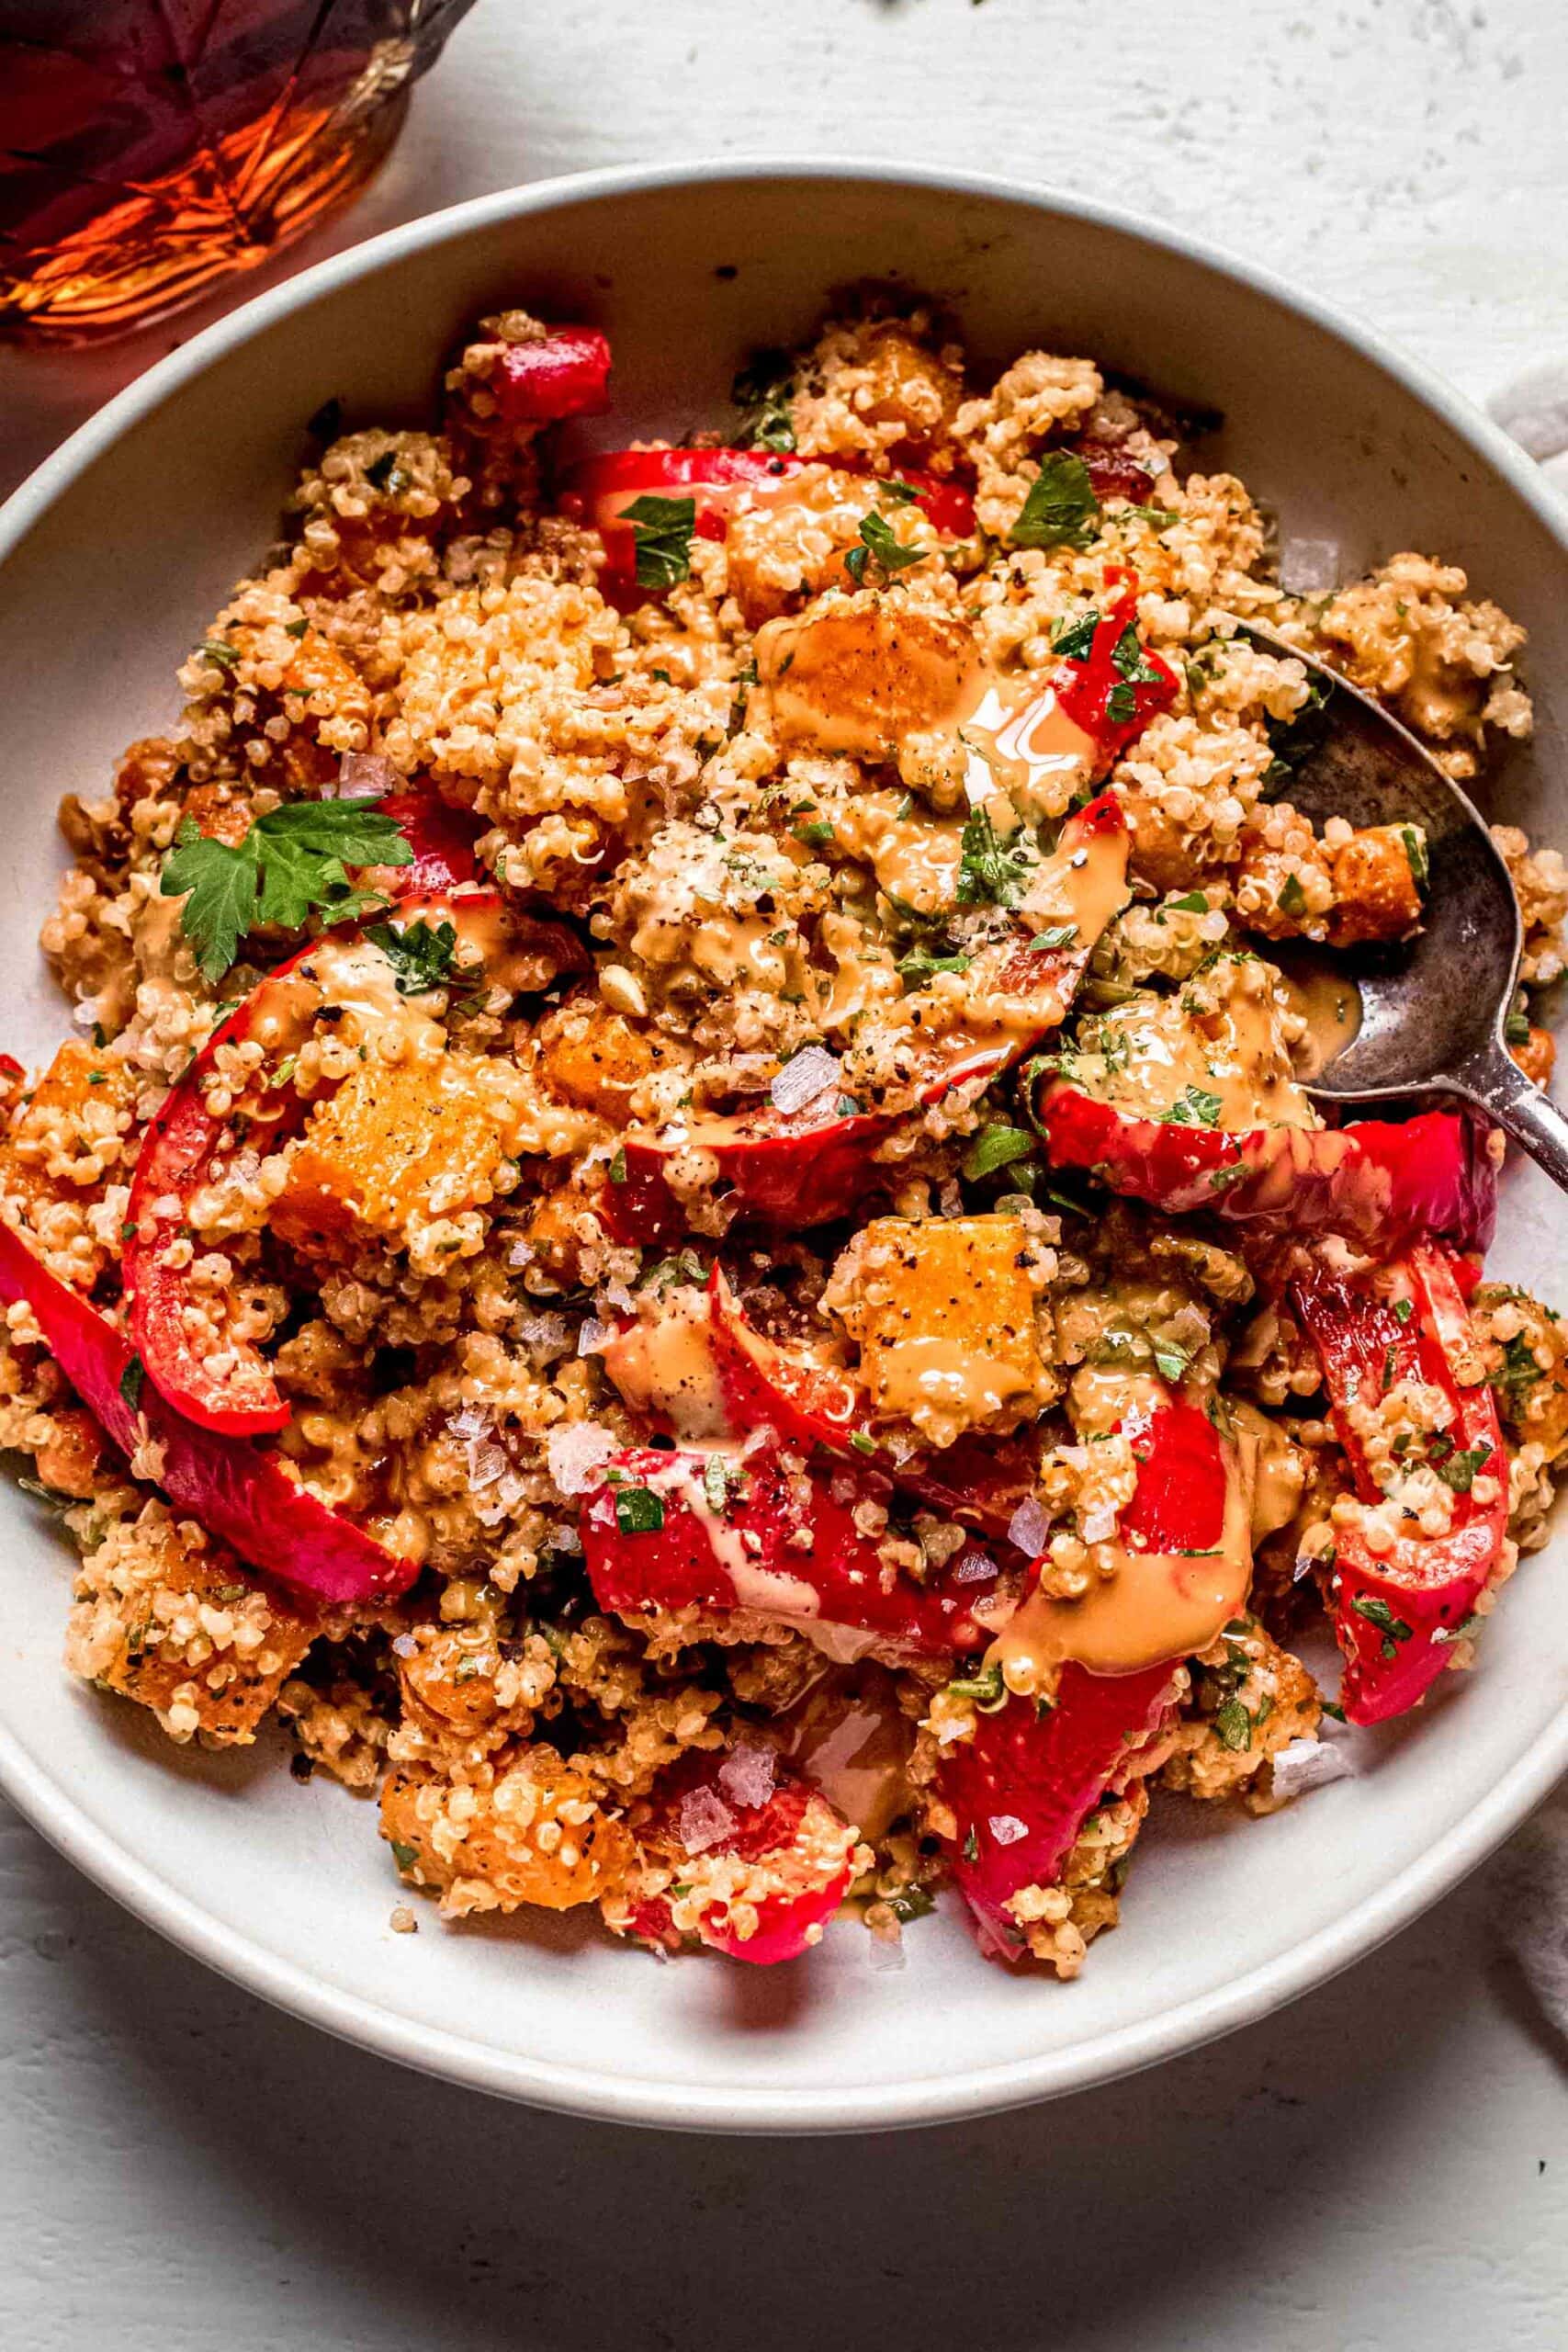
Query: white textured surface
1386	2166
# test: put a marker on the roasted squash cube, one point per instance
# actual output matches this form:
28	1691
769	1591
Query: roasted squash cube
595	1057
945	1315
531	1833
65	1143
168	1619
395	1144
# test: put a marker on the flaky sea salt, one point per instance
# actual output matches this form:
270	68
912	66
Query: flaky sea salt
593	1338
1098	1526
366	776
1007	1829
802	1078
1308	1764
1309	566
747	1775
576	1455
1029	1527
703	1820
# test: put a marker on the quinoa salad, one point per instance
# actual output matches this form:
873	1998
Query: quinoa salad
679	1234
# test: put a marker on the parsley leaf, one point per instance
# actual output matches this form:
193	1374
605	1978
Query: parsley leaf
292	861
131	1383
761	392
989	874
1130	659
1233	1724
1293	740
1415	841
1121	704
1172	1361
995	1147
1061	509
1291	900
663	530
986	1691
421	959
1376	1611
1072	636
1194	1108
1458	1471
920	966
878	539
638	1511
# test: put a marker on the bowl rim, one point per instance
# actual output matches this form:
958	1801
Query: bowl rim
585	2090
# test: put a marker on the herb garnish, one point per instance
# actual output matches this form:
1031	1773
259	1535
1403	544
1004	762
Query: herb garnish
661	529
291	862
988	873
638	1511
995	1147
878	539
1194	1108
421	959
1061	509
761	392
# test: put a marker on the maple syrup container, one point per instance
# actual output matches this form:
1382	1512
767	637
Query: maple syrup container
151	148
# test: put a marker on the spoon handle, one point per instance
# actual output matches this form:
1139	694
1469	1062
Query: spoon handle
1495	1081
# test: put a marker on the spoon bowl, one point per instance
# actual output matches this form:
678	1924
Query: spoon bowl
1433	1007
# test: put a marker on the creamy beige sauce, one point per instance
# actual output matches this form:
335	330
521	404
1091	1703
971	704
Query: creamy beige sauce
918	1377
1156	1605
1082	885
1020	741
1231	1051
666	1369
1282	1470
1323	995
853	1744
914	858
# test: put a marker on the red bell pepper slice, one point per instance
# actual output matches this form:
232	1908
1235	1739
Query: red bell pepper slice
241	1495
1112	473
798	1846
567	374
441	839
718	481
1396	1612
1023	1785
1381	1182
692	1529
182	1141
978	1482
1118	686
809	1167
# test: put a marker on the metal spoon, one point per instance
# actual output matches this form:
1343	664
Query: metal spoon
1433	1008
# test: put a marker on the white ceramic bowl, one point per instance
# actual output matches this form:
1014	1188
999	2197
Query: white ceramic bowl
111	560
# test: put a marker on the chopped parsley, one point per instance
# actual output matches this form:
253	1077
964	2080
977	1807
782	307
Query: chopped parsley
878	539
988	873
1130	659
404	1856
986	1691
661	529
638	1511
862	1441
1059	934
1403	1308
131	1382
421	957
995	1147
1291	900
1061	510
1291	741
761	392
1234	1725
1376	1611
1193	1107
219	649
817	834
1196	902
292	864
618	1166
1415	844
1171	1360
1072	636
910	1902
1518	1372
1460	1469
1121	704
920	966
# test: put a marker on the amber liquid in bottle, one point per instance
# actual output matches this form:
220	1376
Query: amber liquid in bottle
150	148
